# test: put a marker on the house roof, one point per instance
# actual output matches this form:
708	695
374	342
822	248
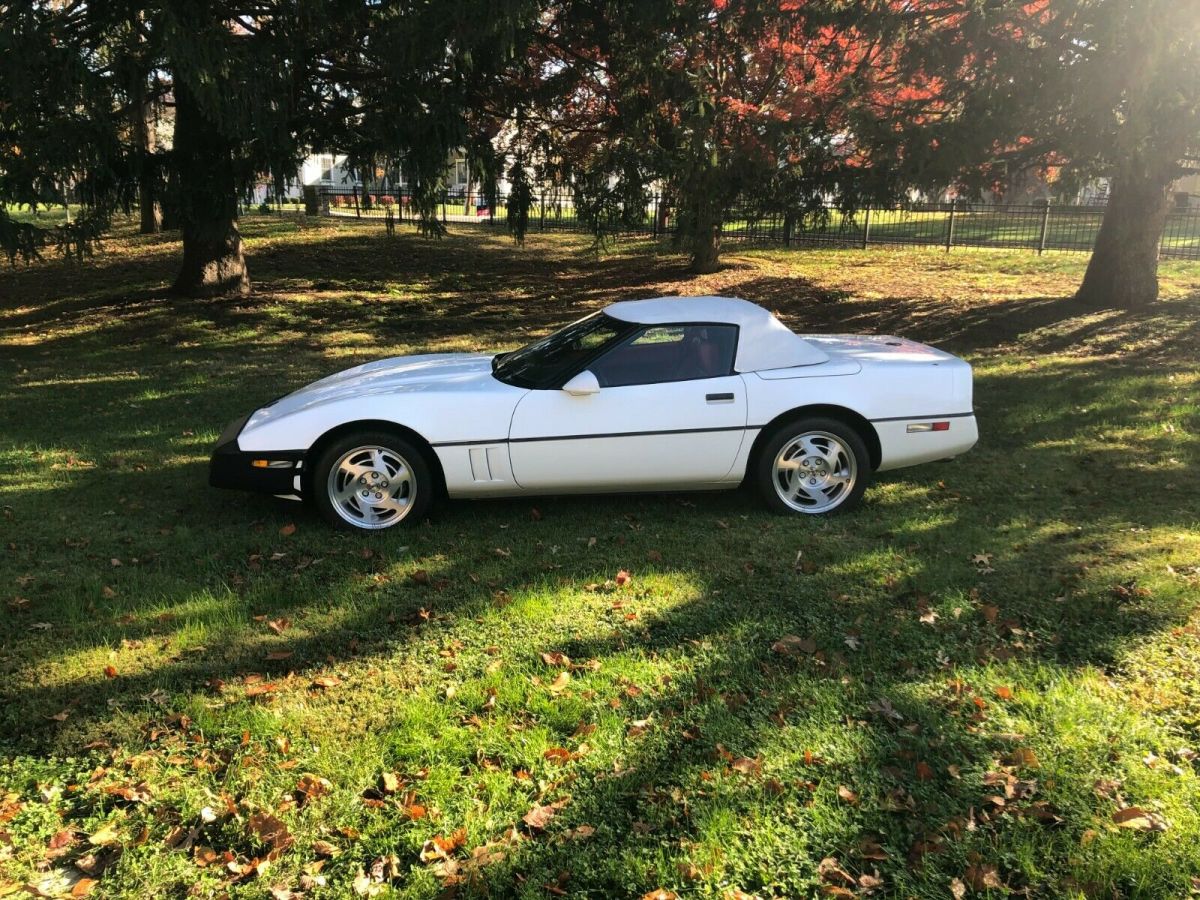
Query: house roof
763	341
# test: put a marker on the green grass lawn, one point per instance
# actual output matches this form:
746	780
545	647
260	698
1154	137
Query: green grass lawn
981	683
1068	228
1018	228
44	216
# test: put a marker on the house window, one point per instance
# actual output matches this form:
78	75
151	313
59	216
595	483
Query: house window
460	172
325	162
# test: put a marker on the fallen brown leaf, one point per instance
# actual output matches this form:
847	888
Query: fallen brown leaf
313	786
559	684
325	849
539	817
831	871
1139	819
793	645
438	847
982	877
271	831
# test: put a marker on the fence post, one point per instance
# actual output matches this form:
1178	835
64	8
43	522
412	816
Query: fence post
654	221
867	228
950	226
1045	229
542	215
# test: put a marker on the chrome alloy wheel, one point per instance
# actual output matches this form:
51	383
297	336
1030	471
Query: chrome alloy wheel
814	472
371	487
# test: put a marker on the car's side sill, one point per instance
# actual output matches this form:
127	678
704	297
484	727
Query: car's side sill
585	437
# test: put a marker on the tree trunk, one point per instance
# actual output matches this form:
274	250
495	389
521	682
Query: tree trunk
706	248
147	170
1123	271
148	201
170	199
213	263
149	207
700	221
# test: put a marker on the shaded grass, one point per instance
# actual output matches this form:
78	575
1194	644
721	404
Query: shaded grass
1028	610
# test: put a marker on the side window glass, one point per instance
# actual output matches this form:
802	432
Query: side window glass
664	353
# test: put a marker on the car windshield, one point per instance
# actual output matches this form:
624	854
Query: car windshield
539	363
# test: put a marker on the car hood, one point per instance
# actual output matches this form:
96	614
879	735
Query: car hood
434	372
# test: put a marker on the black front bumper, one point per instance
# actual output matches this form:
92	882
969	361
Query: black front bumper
230	466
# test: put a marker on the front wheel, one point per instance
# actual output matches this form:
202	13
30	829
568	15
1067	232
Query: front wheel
371	481
814	466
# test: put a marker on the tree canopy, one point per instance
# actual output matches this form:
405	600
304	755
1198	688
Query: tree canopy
252	90
1080	88
726	107
752	103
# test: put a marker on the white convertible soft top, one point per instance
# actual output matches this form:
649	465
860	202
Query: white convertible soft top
763	341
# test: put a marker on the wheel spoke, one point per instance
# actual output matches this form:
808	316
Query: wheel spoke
399	504
364	507
812	491
354	470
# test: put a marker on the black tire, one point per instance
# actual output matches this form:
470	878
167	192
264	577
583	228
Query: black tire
418	490
765	475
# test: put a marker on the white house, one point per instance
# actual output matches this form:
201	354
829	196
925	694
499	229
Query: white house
330	170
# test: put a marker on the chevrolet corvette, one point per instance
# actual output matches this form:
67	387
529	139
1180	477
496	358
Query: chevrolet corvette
669	394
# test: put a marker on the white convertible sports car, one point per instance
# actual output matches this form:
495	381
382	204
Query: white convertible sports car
676	393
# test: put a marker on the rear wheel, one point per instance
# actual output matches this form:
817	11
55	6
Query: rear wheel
814	466
370	481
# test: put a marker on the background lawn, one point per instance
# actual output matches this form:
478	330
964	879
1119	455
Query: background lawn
1069	228
982	683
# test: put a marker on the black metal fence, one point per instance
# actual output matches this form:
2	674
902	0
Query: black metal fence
1036	227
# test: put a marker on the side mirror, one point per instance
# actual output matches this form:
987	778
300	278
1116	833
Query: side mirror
582	385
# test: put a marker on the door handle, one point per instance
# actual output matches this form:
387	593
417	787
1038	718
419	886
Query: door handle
719	398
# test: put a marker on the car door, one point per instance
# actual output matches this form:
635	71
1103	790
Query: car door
669	413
